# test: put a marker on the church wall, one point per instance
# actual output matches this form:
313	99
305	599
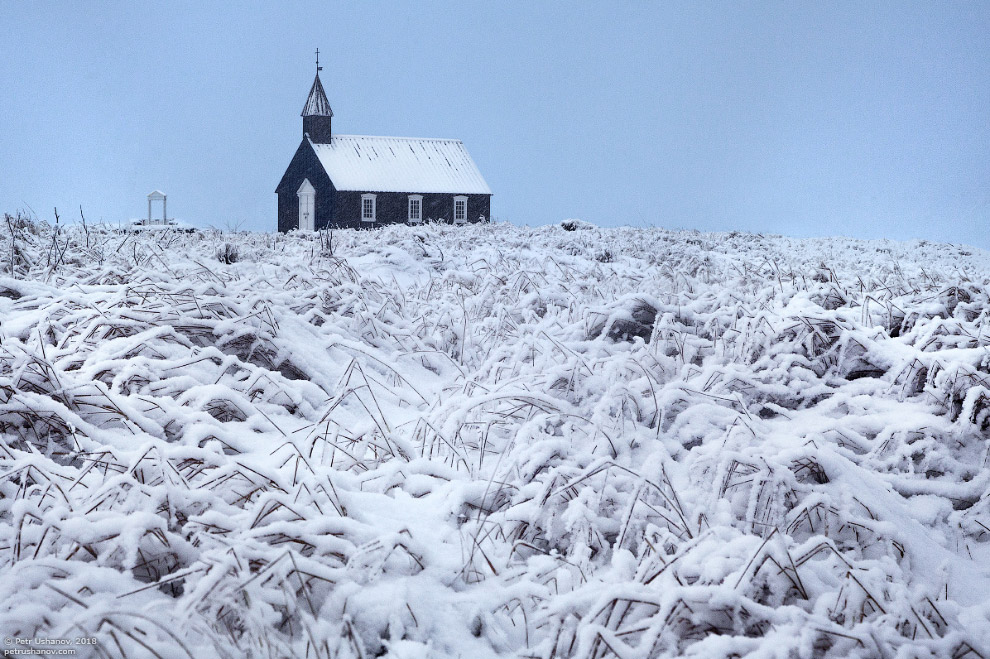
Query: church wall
392	207
304	165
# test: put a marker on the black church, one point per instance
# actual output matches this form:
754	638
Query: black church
364	181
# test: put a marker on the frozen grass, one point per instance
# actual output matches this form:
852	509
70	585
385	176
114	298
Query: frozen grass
493	441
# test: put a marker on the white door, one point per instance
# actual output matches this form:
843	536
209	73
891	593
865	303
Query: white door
307	206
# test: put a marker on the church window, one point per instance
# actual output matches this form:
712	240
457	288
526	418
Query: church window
368	208
415	208
460	210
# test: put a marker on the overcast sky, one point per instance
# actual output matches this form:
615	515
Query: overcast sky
817	118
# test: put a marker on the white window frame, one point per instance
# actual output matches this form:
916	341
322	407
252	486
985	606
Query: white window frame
371	198
418	198
462	220
307	206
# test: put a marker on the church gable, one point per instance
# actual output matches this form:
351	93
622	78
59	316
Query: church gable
304	166
305	160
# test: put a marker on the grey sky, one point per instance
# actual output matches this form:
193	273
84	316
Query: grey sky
864	119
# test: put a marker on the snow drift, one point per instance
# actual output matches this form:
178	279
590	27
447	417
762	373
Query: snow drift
489	441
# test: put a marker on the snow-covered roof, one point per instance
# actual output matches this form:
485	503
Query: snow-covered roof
400	164
156	194
317	103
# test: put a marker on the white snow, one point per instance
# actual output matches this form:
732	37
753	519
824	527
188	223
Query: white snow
400	164
494	441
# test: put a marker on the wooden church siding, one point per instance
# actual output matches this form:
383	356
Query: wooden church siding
390	207
347	211
393	208
304	165
441	206
318	128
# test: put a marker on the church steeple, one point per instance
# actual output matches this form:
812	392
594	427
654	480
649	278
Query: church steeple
317	113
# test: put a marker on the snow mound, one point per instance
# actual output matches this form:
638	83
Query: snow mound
488	441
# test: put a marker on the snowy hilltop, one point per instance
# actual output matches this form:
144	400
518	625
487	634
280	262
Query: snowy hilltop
493	441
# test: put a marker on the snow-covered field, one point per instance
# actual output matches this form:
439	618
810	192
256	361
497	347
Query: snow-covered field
494	441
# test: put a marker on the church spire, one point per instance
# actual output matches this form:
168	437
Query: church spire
316	113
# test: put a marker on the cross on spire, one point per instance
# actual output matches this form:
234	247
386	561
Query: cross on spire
317	104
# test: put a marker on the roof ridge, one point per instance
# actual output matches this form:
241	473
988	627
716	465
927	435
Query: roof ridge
391	137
